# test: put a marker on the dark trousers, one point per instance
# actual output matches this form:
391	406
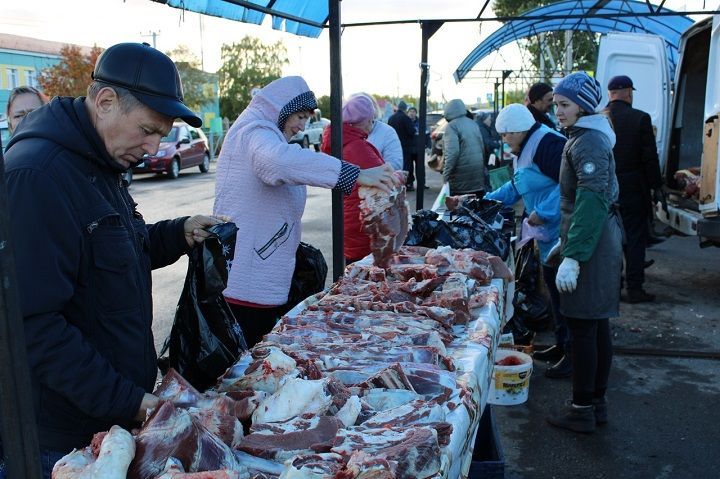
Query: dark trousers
255	322
591	357
562	333
409	160
47	461
634	213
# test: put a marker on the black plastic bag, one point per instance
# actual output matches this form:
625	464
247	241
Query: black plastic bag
205	338
309	275
465	229
531	305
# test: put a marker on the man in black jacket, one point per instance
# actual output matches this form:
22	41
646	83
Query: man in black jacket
405	129
83	251
638	173
540	101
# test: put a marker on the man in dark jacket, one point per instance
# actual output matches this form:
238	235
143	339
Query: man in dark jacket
83	252
405	129
540	98
638	173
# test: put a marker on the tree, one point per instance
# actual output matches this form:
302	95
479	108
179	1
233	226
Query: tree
247	65
72	75
324	106
197	85
584	43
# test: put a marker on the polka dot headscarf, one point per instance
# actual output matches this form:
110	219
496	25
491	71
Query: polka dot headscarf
303	102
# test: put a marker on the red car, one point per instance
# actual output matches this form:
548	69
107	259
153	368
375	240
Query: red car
184	147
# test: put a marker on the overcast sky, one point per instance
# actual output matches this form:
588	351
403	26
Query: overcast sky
382	59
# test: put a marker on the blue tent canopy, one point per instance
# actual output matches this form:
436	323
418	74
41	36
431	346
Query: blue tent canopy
304	18
591	16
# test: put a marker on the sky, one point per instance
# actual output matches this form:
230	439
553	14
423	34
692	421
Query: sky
379	59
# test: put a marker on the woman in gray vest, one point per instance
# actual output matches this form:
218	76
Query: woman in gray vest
591	243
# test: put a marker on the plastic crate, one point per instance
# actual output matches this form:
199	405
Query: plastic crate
488	460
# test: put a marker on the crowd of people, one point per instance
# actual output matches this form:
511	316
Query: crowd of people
85	254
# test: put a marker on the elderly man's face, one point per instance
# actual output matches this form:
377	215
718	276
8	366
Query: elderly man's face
128	136
19	108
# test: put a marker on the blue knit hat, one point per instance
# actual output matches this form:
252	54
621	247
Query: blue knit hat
582	89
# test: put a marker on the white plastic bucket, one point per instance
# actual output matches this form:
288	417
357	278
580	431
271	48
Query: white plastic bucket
510	384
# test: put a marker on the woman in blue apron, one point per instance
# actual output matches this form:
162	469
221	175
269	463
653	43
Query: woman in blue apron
591	244
536	173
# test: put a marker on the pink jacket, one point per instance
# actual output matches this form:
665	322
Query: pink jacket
260	184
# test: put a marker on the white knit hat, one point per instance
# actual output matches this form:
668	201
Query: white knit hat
514	119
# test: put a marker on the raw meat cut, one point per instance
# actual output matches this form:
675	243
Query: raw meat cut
174	432
301	436
314	466
109	458
174	470
270	368
385	219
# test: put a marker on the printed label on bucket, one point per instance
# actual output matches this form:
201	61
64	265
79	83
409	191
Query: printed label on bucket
510	383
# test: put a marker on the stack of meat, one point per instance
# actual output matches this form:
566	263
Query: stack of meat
361	384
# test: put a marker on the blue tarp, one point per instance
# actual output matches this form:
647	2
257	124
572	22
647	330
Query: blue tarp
314	12
670	28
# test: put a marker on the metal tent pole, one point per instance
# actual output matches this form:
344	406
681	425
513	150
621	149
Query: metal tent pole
336	133
428	30
17	418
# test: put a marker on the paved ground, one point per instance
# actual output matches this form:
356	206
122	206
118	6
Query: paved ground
663	413
663	410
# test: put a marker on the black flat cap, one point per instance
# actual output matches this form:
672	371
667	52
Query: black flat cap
149	74
620	82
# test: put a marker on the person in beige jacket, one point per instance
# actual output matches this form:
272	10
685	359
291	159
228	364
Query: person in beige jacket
463	148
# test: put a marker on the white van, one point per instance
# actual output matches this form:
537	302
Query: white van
684	114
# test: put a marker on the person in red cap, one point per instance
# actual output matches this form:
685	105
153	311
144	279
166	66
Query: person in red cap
638	172
84	254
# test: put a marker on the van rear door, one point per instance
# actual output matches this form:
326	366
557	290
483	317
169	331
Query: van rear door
710	184
643	58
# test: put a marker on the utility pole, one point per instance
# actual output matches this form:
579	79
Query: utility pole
202	55
154	36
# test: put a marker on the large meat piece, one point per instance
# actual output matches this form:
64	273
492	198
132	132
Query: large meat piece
175	389
385	219
314	466
411	453
295	397
174	432
269	368
300	436
175	470
108	456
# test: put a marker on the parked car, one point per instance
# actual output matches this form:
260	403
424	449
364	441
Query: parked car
312	134
184	147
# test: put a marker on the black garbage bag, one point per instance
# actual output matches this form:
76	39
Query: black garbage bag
465	229
531	305
205	338
309	275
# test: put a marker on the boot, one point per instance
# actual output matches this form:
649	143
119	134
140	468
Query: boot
553	353
634	296
574	418
600	405
561	369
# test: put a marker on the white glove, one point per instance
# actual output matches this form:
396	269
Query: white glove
567	275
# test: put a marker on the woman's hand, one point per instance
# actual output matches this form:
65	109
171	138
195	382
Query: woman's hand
535	220
195	227
380	177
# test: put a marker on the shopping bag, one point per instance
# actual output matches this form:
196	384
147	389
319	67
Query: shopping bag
205	338
308	277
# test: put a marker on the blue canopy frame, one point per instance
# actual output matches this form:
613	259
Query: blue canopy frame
304	18
584	15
